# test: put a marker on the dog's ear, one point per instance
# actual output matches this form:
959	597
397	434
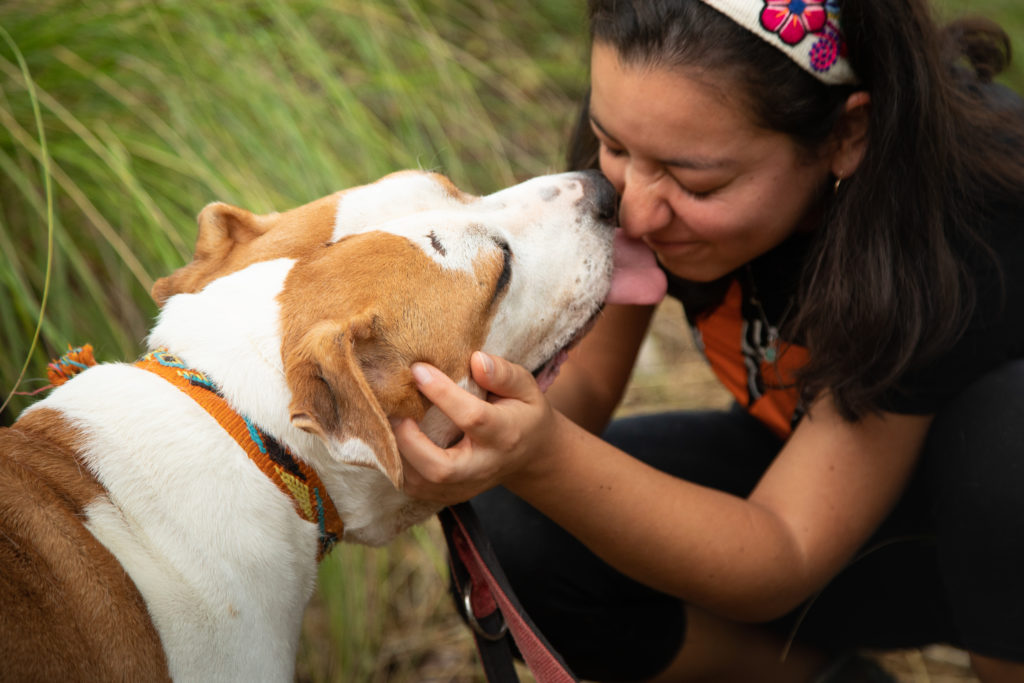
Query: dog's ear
221	228
332	398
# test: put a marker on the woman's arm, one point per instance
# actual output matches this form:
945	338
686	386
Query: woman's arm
751	559
754	558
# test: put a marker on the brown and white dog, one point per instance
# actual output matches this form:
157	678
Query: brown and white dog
138	541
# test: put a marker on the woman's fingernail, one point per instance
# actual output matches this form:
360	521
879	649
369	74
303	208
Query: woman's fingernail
421	373
487	362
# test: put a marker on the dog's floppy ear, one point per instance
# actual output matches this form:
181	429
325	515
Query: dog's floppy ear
221	228
332	398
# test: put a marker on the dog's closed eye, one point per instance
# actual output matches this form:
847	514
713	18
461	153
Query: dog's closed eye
435	242
505	277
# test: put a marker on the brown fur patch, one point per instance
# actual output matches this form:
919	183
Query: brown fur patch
68	610
231	239
375	303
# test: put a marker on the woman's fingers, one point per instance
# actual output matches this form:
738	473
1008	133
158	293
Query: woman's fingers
434	473
493	441
461	407
428	467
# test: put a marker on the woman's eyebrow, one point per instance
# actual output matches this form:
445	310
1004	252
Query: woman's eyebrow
604	131
696	163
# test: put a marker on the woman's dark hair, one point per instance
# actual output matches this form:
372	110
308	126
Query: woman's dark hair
886	288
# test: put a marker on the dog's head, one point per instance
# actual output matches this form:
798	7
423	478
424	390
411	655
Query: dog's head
411	269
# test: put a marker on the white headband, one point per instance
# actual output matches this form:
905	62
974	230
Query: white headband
788	24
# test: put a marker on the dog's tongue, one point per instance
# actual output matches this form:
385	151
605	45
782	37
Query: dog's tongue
637	279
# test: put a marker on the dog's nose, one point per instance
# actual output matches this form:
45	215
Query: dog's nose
601	195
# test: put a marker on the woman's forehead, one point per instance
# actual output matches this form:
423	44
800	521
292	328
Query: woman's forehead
659	105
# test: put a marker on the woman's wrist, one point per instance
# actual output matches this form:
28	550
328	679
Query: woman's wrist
549	460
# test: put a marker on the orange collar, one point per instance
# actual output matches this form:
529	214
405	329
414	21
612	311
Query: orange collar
296	479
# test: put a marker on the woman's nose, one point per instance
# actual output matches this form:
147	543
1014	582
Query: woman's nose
643	208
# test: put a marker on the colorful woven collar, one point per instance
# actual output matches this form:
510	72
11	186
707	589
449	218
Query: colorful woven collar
293	477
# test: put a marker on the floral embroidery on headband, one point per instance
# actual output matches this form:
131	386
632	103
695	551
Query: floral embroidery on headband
792	20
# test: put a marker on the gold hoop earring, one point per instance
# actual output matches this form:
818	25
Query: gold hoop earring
835	187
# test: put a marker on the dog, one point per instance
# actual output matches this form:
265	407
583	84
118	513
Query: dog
144	539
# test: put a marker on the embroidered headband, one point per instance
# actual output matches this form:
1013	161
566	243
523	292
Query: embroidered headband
806	30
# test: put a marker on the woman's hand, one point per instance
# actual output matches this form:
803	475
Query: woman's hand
502	436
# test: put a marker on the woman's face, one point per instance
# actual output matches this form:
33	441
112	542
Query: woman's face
702	185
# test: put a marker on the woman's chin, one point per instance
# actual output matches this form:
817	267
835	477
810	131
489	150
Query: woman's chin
695	267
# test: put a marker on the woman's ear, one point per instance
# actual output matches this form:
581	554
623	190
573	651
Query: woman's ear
851	134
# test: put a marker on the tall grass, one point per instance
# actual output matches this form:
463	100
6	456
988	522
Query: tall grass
151	109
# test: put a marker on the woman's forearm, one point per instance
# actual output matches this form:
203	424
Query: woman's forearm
748	559
705	546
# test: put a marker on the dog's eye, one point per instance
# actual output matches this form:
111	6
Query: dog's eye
435	242
506	269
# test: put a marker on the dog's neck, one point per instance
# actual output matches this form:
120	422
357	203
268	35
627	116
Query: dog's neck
293	478
231	331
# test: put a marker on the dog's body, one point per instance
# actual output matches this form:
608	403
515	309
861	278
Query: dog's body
138	538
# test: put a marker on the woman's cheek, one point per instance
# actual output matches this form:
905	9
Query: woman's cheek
711	221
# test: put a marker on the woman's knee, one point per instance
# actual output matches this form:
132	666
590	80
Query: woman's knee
974	455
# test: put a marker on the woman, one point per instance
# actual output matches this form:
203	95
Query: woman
837	202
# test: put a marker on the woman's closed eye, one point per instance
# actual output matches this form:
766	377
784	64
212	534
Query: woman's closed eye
697	194
698	184
612	151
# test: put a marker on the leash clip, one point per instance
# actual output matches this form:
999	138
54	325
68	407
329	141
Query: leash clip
467	608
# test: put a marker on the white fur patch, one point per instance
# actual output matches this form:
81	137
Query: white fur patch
216	550
394	196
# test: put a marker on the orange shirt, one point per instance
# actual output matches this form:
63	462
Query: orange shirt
757	369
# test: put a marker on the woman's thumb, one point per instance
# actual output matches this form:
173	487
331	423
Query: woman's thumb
500	377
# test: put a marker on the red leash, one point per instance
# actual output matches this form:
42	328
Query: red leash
491	608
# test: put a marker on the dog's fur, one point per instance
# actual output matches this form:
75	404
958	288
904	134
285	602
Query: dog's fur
138	541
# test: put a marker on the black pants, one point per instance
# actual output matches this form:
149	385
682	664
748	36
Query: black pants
946	566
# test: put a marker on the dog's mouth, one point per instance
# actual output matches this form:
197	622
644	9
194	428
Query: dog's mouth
548	370
636	280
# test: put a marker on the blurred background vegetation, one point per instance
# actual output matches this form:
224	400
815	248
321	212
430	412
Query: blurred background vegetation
151	109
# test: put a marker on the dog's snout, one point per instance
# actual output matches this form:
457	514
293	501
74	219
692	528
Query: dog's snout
600	193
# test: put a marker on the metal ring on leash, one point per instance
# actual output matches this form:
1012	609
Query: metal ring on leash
467	606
